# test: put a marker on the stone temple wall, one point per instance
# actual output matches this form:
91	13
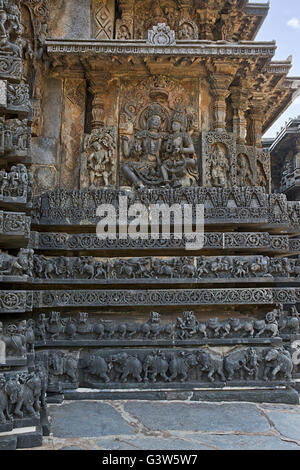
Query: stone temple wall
105	106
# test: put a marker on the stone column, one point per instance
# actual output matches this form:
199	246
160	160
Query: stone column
98	88
257	106
219	87
240	104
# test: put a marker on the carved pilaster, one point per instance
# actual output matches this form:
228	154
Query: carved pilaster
103	15
240	104
257	117
207	20
98	88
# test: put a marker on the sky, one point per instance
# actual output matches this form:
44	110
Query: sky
283	25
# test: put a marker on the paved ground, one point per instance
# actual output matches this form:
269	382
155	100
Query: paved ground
145	425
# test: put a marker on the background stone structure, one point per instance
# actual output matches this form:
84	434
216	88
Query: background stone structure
168	104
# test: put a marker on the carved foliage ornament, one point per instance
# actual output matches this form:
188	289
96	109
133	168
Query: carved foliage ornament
161	35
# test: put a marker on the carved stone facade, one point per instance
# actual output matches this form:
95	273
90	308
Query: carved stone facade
160	104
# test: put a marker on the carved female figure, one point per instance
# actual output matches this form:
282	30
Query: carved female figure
180	150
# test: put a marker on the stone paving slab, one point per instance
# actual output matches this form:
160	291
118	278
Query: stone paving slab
144	425
87	419
200	416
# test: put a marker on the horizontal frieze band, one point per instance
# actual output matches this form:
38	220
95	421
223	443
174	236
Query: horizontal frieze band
193	48
15	301
212	240
237	205
166	297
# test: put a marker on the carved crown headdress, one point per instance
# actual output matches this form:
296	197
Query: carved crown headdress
180	116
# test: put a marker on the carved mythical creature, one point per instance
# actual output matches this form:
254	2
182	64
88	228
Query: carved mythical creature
153	327
17	265
245	326
54	325
268	325
188	325
40	327
15	342
220	328
104	328
290	323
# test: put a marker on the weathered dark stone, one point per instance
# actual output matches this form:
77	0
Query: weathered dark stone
8	443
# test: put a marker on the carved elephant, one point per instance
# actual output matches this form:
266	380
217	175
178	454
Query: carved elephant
211	364
129	365
241	362
156	365
9	394
98	366
278	361
29	396
180	365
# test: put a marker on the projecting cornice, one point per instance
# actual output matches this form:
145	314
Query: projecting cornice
195	48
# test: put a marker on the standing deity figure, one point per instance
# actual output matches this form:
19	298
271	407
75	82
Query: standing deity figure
245	175
219	168
97	164
146	147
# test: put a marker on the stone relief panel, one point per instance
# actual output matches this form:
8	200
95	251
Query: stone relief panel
218	159
103	16
99	159
147	15
157	120
263	165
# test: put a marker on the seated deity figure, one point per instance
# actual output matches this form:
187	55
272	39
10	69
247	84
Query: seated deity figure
163	159
180	152
146	148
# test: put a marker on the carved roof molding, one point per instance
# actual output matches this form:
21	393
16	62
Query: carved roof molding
132	47
288	133
233	19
